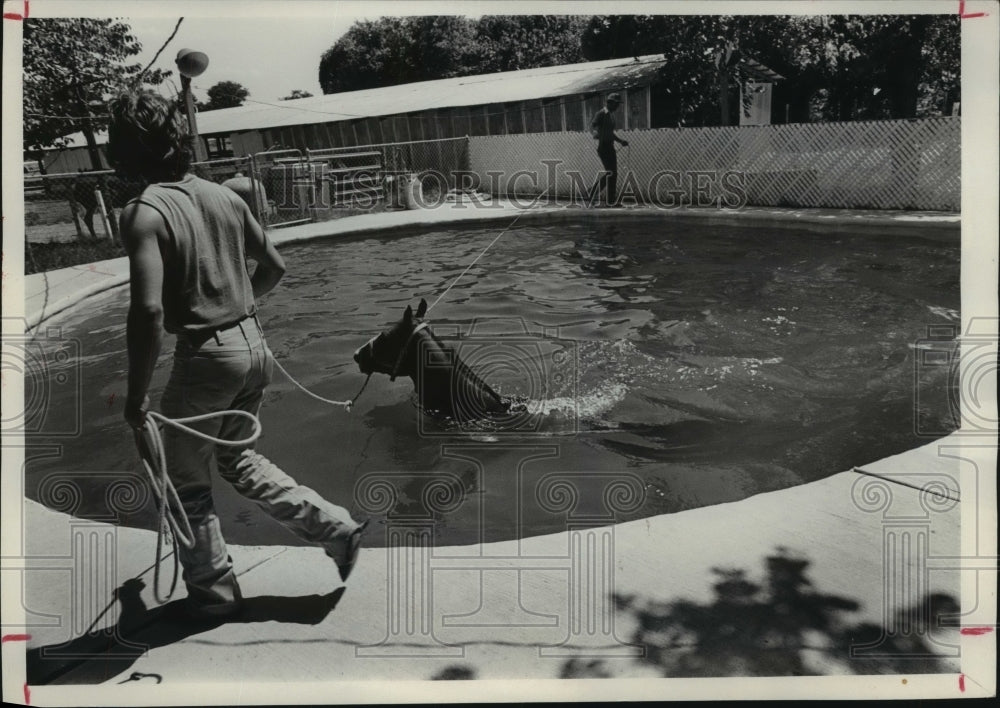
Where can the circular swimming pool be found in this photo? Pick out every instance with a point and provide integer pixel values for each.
(697, 364)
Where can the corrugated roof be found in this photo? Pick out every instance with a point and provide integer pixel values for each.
(477, 90)
(755, 70)
(502, 87)
(481, 89)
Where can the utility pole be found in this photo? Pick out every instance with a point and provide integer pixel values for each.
(199, 148)
(191, 63)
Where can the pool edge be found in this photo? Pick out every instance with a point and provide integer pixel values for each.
(54, 292)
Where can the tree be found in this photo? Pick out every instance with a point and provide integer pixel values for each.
(397, 50)
(72, 66)
(225, 94)
(296, 93)
(836, 68)
(513, 42)
(688, 88)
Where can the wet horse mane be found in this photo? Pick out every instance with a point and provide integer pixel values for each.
(444, 384)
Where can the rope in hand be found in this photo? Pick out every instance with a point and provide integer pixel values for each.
(171, 516)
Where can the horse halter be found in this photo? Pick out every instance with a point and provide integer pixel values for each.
(406, 347)
(370, 344)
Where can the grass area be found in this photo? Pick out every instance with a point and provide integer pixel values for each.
(41, 257)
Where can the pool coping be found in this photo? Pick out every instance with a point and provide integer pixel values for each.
(53, 292)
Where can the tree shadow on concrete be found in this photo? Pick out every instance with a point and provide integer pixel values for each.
(784, 627)
(455, 672)
(101, 654)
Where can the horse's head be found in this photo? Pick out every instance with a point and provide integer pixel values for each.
(443, 382)
(392, 351)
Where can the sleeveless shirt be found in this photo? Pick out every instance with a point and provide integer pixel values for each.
(603, 127)
(206, 284)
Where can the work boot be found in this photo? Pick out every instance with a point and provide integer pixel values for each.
(349, 552)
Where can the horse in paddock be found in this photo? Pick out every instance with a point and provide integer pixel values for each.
(116, 193)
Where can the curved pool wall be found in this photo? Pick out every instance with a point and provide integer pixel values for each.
(939, 229)
(51, 293)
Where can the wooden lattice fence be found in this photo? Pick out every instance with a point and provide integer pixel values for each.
(904, 164)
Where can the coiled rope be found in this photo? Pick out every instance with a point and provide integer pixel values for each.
(171, 517)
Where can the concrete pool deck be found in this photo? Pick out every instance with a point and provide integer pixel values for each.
(485, 611)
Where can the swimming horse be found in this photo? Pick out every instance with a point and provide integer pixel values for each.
(444, 384)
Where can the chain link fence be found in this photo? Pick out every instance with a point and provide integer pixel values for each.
(393, 176)
(294, 186)
(283, 187)
(68, 207)
(61, 208)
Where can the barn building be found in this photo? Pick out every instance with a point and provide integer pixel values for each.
(547, 99)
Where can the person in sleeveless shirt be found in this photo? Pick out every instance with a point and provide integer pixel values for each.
(188, 241)
(602, 127)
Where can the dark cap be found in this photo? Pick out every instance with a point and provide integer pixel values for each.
(616, 97)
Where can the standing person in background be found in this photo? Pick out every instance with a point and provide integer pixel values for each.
(187, 241)
(245, 187)
(602, 127)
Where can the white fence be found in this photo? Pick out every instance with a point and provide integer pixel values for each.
(905, 164)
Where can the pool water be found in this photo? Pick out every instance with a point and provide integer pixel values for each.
(678, 366)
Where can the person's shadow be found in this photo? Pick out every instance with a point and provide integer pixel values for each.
(100, 655)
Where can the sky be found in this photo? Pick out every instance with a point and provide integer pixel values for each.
(269, 56)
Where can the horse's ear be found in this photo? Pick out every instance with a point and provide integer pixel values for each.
(407, 314)
(421, 308)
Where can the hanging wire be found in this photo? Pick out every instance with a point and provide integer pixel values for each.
(177, 91)
(173, 34)
(61, 116)
(135, 81)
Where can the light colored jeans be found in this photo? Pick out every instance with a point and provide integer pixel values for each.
(224, 371)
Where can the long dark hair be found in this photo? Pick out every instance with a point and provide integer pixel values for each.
(148, 137)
